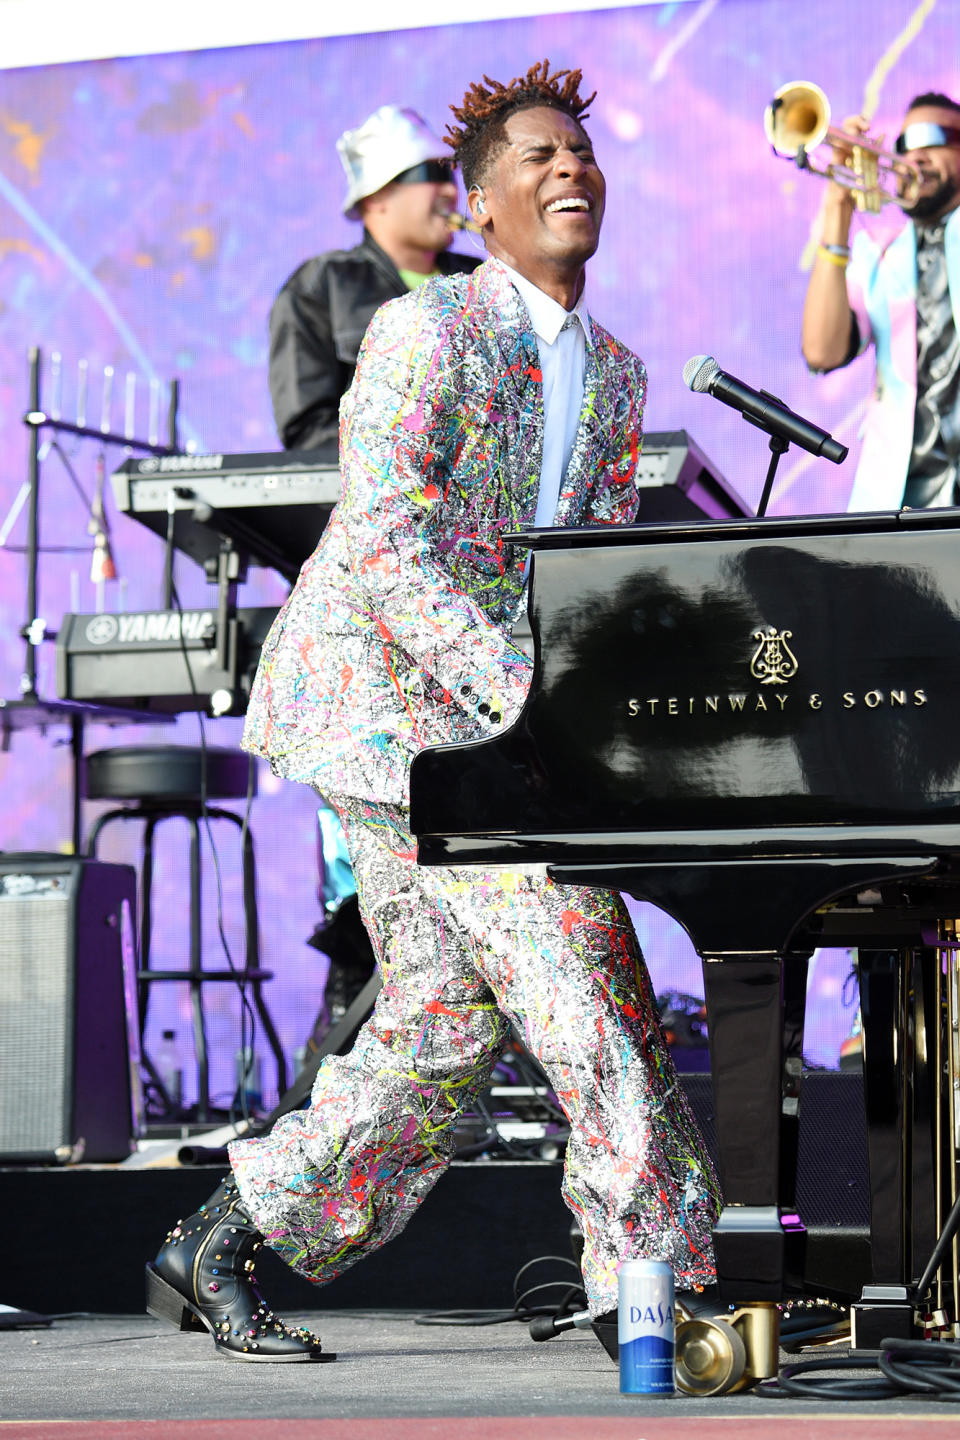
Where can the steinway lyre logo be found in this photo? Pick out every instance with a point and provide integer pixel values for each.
(773, 663)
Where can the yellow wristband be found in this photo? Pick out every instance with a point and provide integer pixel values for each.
(842, 260)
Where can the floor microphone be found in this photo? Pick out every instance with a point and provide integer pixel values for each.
(544, 1327)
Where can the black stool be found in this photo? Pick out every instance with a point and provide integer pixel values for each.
(162, 782)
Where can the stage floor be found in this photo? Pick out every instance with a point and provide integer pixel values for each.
(134, 1378)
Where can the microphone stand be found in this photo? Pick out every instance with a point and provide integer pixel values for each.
(779, 446)
(36, 420)
(33, 711)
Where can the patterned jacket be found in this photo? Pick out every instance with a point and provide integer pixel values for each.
(882, 285)
(397, 633)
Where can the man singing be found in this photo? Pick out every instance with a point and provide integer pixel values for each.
(481, 403)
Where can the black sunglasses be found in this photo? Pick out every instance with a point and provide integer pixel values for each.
(922, 136)
(439, 172)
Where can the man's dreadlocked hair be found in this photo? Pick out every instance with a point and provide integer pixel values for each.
(484, 113)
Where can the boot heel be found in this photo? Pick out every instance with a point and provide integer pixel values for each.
(168, 1304)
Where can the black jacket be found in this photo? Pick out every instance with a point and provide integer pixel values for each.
(316, 325)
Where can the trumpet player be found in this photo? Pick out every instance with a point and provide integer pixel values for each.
(902, 295)
(401, 187)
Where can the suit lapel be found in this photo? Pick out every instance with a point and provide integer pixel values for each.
(517, 394)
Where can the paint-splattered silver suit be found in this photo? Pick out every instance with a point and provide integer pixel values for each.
(396, 637)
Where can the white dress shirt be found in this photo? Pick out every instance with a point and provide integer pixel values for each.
(562, 340)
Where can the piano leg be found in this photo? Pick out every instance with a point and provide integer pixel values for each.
(901, 1003)
(925, 1182)
(745, 1008)
(794, 1014)
(757, 1158)
(883, 987)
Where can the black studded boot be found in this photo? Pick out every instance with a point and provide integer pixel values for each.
(203, 1279)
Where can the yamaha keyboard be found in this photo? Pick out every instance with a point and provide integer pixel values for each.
(165, 661)
(754, 726)
(272, 507)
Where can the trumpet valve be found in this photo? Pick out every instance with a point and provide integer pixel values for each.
(865, 166)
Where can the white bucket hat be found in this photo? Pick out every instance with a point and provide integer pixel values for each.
(390, 141)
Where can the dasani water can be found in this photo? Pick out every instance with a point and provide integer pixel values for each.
(646, 1328)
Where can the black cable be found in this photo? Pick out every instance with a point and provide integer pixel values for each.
(537, 1079)
(543, 1260)
(794, 1334)
(522, 1068)
(467, 1317)
(940, 1249)
(507, 1142)
(562, 1307)
(246, 1011)
(923, 1366)
(906, 1367)
(478, 1147)
(573, 1299)
(565, 1306)
(792, 1382)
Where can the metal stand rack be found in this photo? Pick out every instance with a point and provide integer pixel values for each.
(30, 711)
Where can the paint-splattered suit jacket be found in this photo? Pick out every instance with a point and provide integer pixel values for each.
(397, 633)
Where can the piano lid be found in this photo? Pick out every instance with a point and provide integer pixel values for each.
(764, 683)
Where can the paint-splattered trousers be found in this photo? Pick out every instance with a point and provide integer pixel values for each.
(463, 952)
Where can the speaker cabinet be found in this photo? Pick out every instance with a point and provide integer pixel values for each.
(69, 1060)
(832, 1177)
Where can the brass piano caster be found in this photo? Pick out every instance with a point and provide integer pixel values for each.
(711, 1358)
(721, 1354)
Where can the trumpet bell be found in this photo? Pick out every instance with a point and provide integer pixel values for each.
(798, 117)
(797, 120)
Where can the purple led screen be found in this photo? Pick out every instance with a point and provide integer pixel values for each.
(149, 210)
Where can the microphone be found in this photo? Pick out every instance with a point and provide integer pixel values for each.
(544, 1327)
(702, 373)
(102, 564)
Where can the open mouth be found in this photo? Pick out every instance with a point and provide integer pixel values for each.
(570, 205)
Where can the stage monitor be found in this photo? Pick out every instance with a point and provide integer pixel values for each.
(69, 1041)
(677, 482)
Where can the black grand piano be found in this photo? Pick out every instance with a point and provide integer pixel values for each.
(755, 724)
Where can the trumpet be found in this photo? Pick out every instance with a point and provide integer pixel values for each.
(797, 120)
